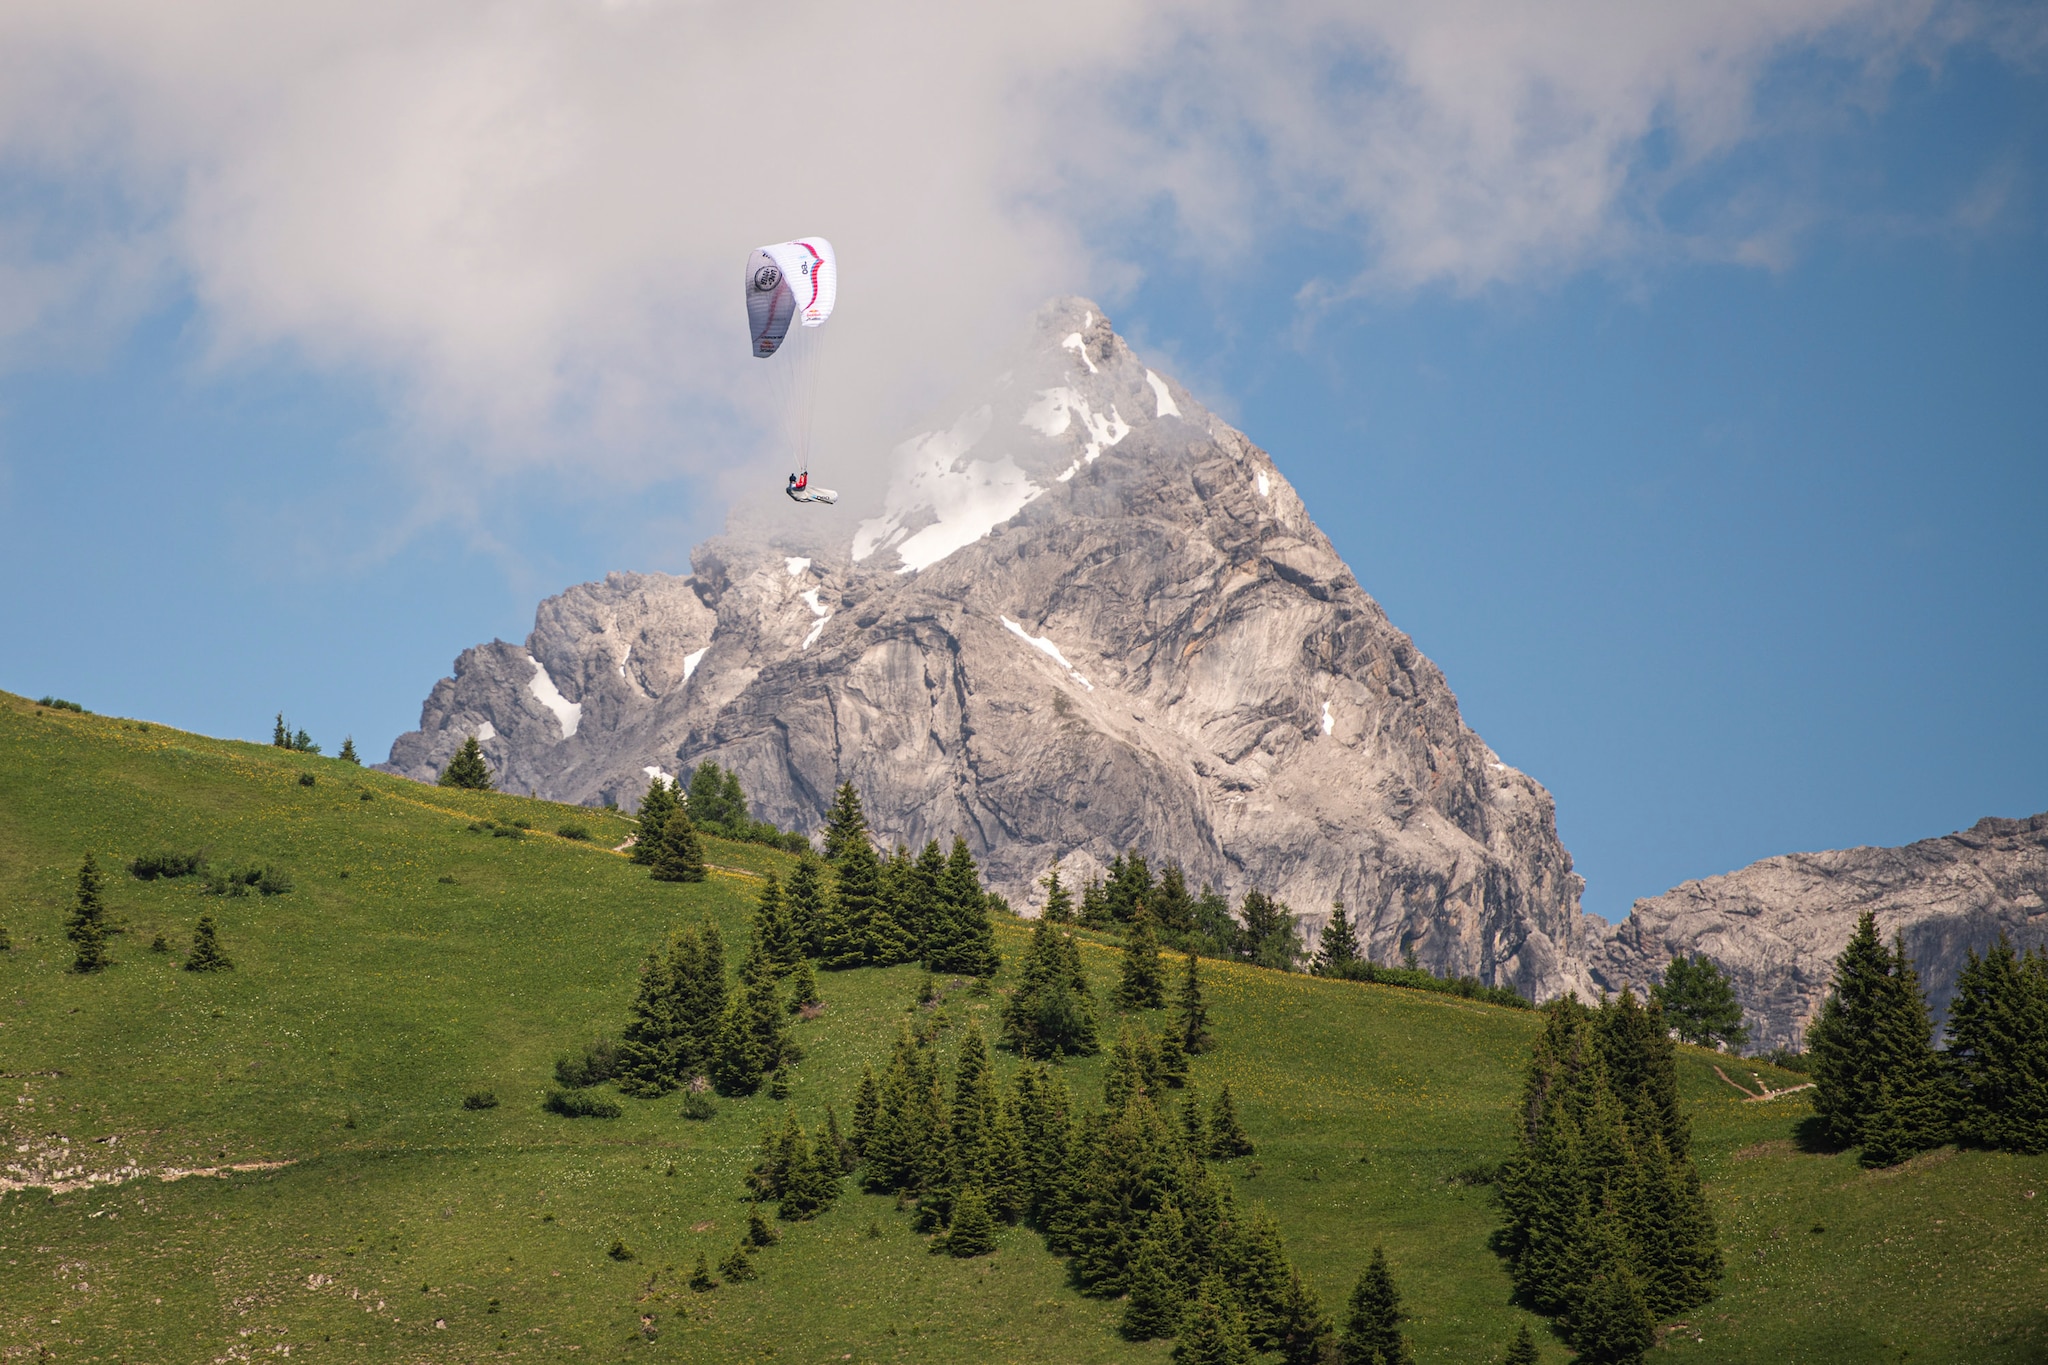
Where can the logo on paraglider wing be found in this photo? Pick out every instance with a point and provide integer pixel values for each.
(766, 278)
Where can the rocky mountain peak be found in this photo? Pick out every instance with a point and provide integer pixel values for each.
(1088, 616)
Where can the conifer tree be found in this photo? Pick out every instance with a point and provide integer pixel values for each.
(281, 738)
(1172, 1060)
(1006, 1171)
(1610, 1321)
(1141, 984)
(1877, 1082)
(206, 954)
(803, 987)
(705, 799)
(1338, 947)
(774, 936)
(804, 900)
(681, 855)
(467, 769)
(1699, 1001)
(1227, 1137)
(1050, 1014)
(738, 1266)
(1173, 909)
(1642, 1067)
(1059, 905)
(700, 1277)
(759, 1233)
(1998, 1048)
(734, 800)
(1212, 1330)
(1153, 1306)
(867, 1099)
(1259, 1277)
(1095, 905)
(348, 751)
(846, 825)
(1269, 936)
(1372, 1330)
(655, 807)
(1129, 887)
(1190, 1011)
(973, 1229)
(1521, 1351)
(1304, 1336)
(967, 941)
(87, 927)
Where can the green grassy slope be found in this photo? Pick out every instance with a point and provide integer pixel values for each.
(365, 1005)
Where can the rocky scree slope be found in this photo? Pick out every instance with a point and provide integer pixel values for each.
(1087, 616)
(1777, 926)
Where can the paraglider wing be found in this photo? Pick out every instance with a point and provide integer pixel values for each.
(771, 301)
(812, 273)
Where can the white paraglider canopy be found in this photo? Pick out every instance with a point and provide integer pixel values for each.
(793, 282)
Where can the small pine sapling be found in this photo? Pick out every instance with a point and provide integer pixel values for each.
(738, 1267)
(1227, 1137)
(206, 955)
(700, 1278)
(467, 770)
(759, 1231)
(87, 927)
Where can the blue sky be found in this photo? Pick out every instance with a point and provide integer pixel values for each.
(1723, 505)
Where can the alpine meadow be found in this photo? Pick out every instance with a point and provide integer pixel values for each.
(363, 1069)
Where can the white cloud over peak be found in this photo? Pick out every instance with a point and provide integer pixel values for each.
(525, 219)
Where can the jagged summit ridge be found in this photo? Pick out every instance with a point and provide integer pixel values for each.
(1088, 616)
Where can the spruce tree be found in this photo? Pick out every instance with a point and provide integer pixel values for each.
(206, 954)
(467, 769)
(348, 751)
(804, 900)
(1269, 937)
(1372, 1328)
(1337, 949)
(733, 798)
(1059, 905)
(759, 1233)
(846, 825)
(1191, 1013)
(1141, 985)
(655, 807)
(1153, 1306)
(1095, 905)
(700, 1277)
(651, 1053)
(1699, 1002)
(967, 939)
(1129, 887)
(1050, 1013)
(1173, 909)
(1877, 1081)
(1304, 1336)
(867, 1098)
(1007, 1169)
(857, 929)
(1227, 1137)
(803, 987)
(1521, 1351)
(1259, 1277)
(87, 927)
(738, 1266)
(1610, 1321)
(973, 1229)
(281, 738)
(1998, 1048)
(774, 936)
(680, 858)
(705, 799)
(1212, 1330)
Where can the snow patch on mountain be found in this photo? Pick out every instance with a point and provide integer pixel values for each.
(1047, 648)
(1166, 406)
(964, 499)
(796, 564)
(568, 714)
(692, 659)
(1080, 348)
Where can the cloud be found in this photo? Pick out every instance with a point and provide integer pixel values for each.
(525, 220)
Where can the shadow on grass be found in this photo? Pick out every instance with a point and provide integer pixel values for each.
(1810, 1135)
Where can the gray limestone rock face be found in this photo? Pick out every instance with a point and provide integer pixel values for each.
(1085, 616)
(1777, 926)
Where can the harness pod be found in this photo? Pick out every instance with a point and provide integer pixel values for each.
(790, 283)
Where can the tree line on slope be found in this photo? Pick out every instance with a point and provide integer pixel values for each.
(1263, 931)
(1881, 1086)
(1607, 1228)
